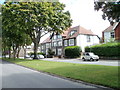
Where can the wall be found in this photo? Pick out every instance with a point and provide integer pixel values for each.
(117, 32)
(82, 41)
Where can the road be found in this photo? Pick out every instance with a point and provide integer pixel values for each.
(80, 61)
(15, 76)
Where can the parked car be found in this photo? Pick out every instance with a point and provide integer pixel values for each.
(27, 56)
(39, 56)
(90, 56)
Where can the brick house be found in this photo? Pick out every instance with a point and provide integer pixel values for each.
(111, 33)
(117, 32)
(74, 36)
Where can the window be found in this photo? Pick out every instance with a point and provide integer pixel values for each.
(54, 44)
(88, 38)
(43, 47)
(71, 42)
(47, 45)
(65, 43)
(112, 35)
(54, 38)
(59, 51)
(59, 43)
(59, 36)
(72, 32)
(54, 50)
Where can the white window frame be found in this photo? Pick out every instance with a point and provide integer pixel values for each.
(54, 44)
(59, 43)
(71, 42)
(65, 43)
(59, 36)
(88, 38)
(59, 51)
(47, 45)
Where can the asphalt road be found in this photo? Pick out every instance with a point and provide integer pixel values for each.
(15, 76)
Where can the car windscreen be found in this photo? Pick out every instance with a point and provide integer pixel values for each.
(91, 54)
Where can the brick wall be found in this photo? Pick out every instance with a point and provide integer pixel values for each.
(117, 32)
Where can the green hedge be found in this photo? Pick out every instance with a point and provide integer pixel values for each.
(72, 51)
(105, 50)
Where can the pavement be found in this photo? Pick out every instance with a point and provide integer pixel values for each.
(80, 61)
(15, 76)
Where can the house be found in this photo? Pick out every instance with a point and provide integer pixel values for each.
(117, 32)
(111, 33)
(73, 36)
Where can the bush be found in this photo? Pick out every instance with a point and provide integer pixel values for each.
(50, 53)
(72, 51)
(105, 50)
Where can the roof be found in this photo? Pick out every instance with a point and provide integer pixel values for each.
(80, 30)
(111, 28)
(65, 34)
(47, 40)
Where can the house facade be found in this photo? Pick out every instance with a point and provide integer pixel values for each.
(75, 36)
(111, 33)
(117, 32)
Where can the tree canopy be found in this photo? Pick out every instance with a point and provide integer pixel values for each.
(35, 19)
(111, 10)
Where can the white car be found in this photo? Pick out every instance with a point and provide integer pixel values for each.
(90, 56)
(39, 56)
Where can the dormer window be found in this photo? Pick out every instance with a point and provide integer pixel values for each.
(72, 32)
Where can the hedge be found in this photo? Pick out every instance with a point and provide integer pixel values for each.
(72, 51)
(105, 50)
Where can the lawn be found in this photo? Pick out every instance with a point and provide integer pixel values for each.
(96, 74)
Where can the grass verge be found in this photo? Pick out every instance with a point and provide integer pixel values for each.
(96, 74)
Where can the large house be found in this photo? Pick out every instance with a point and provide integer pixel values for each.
(111, 33)
(75, 36)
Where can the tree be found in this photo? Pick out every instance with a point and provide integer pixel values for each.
(40, 18)
(111, 10)
(13, 35)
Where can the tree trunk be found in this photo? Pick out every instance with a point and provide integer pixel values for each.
(14, 52)
(18, 51)
(24, 48)
(9, 53)
(35, 50)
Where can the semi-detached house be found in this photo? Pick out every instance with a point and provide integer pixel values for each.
(74, 36)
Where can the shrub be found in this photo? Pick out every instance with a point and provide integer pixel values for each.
(50, 53)
(106, 50)
(72, 51)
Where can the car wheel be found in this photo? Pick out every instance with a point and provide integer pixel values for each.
(83, 59)
(91, 59)
(96, 59)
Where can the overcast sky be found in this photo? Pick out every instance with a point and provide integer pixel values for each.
(83, 13)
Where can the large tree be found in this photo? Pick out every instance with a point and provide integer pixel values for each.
(40, 18)
(13, 35)
(111, 10)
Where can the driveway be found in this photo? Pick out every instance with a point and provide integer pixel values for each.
(15, 76)
(80, 61)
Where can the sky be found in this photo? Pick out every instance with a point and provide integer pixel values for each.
(83, 14)
(2, 1)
